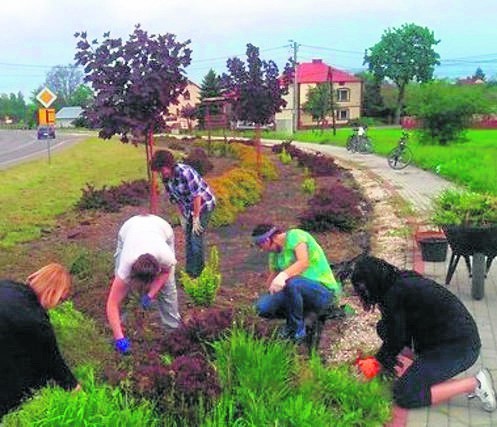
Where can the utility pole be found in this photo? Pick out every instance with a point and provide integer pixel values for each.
(295, 111)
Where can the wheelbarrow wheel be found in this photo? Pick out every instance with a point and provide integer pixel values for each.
(478, 270)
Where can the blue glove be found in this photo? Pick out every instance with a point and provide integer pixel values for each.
(123, 346)
(146, 302)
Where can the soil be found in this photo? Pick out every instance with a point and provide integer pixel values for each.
(243, 267)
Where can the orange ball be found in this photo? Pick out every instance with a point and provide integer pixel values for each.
(369, 367)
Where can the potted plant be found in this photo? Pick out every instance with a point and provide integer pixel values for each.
(469, 220)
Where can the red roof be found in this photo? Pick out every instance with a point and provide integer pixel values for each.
(318, 72)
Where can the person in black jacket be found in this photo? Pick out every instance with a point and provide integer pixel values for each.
(428, 336)
(29, 355)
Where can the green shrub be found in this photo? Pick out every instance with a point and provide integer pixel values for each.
(284, 157)
(309, 185)
(96, 405)
(203, 289)
(78, 337)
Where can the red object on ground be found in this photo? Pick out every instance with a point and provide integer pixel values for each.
(369, 366)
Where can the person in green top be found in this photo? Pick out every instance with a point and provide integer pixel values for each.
(300, 278)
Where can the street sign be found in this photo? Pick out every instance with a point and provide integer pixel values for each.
(46, 116)
(46, 97)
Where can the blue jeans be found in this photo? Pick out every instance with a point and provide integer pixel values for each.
(299, 296)
(194, 245)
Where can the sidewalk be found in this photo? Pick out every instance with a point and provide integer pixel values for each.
(418, 187)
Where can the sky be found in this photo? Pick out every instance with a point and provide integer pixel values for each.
(38, 35)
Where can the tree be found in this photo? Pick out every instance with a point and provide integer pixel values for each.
(403, 55)
(209, 88)
(13, 106)
(319, 103)
(479, 74)
(255, 90)
(134, 83)
(372, 102)
(446, 110)
(190, 113)
(63, 81)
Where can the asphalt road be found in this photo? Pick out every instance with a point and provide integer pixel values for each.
(17, 146)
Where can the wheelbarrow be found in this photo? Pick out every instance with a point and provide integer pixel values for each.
(478, 247)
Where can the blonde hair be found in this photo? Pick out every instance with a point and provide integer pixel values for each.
(51, 284)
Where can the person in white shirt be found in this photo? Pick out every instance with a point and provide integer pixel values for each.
(144, 262)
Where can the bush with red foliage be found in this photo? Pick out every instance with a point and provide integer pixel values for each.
(198, 160)
(112, 199)
(202, 327)
(338, 207)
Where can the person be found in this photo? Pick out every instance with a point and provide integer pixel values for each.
(361, 131)
(144, 263)
(428, 336)
(195, 201)
(29, 354)
(300, 278)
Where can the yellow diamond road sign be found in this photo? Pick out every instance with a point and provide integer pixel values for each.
(46, 97)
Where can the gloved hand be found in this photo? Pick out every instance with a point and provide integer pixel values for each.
(146, 302)
(369, 366)
(123, 345)
(196, 226)
(183, 221)
(278, 282)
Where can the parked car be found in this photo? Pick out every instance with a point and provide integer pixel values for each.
(241, 125)
(46, 132)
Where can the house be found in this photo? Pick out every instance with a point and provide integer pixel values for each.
(347, 90)
(189, 97)
(64, 118)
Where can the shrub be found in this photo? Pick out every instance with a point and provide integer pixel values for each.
(309, 185)
(203, 289)
(338, 207)
(112, 199)
(285, 158)
(198, 159)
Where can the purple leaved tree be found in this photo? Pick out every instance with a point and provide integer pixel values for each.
(256, 90)
(134, 83)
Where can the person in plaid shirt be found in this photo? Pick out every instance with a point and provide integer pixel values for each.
(195, 201)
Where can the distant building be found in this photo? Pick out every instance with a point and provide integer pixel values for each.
(65, 117)
(347, 91)
(189, 97)
(470, 81)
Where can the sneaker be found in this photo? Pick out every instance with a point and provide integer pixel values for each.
(485, 390)
(285, 333)
(299, 336)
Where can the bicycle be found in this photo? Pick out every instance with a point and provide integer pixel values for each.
(359, 143)
(400, 156)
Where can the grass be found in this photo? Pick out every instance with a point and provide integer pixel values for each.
(35, 193)
(472, 163)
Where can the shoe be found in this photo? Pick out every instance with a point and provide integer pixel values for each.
(485, 390)
(285, 333)
(299, 336)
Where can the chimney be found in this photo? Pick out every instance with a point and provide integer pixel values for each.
(317, 61)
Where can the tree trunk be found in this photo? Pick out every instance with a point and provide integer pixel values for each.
(258, 149)
(400, 103)
(152, 178)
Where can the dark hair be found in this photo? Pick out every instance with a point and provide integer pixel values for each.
(264, 228)
(145, 269)
(162, 158)
(371, 278)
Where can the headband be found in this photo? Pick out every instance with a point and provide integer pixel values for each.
(262, 238)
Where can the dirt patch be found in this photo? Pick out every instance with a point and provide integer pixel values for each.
(243, 267)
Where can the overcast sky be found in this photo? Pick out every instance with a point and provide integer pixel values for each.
(37, 35)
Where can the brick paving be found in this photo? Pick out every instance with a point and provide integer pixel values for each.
(418, 187)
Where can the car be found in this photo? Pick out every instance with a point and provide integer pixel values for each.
(241, 125)
(46, 132)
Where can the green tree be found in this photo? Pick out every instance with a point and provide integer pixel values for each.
(446, 110)
(319, 103)
(13, 106)
(209, 88)
(64, 81)
(479, 74)
(403, 55)
(372, 102)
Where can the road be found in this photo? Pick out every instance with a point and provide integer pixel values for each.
(17, 146)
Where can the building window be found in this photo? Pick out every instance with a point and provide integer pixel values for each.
(186, 96)
(342, 114)
(343, 95)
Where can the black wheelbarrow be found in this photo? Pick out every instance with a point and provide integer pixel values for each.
(478, 247)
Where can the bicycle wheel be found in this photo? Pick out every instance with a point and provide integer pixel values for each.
(367, 145)
(399, 158)
(350, 141)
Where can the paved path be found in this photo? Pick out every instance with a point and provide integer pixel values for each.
(418, 187)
